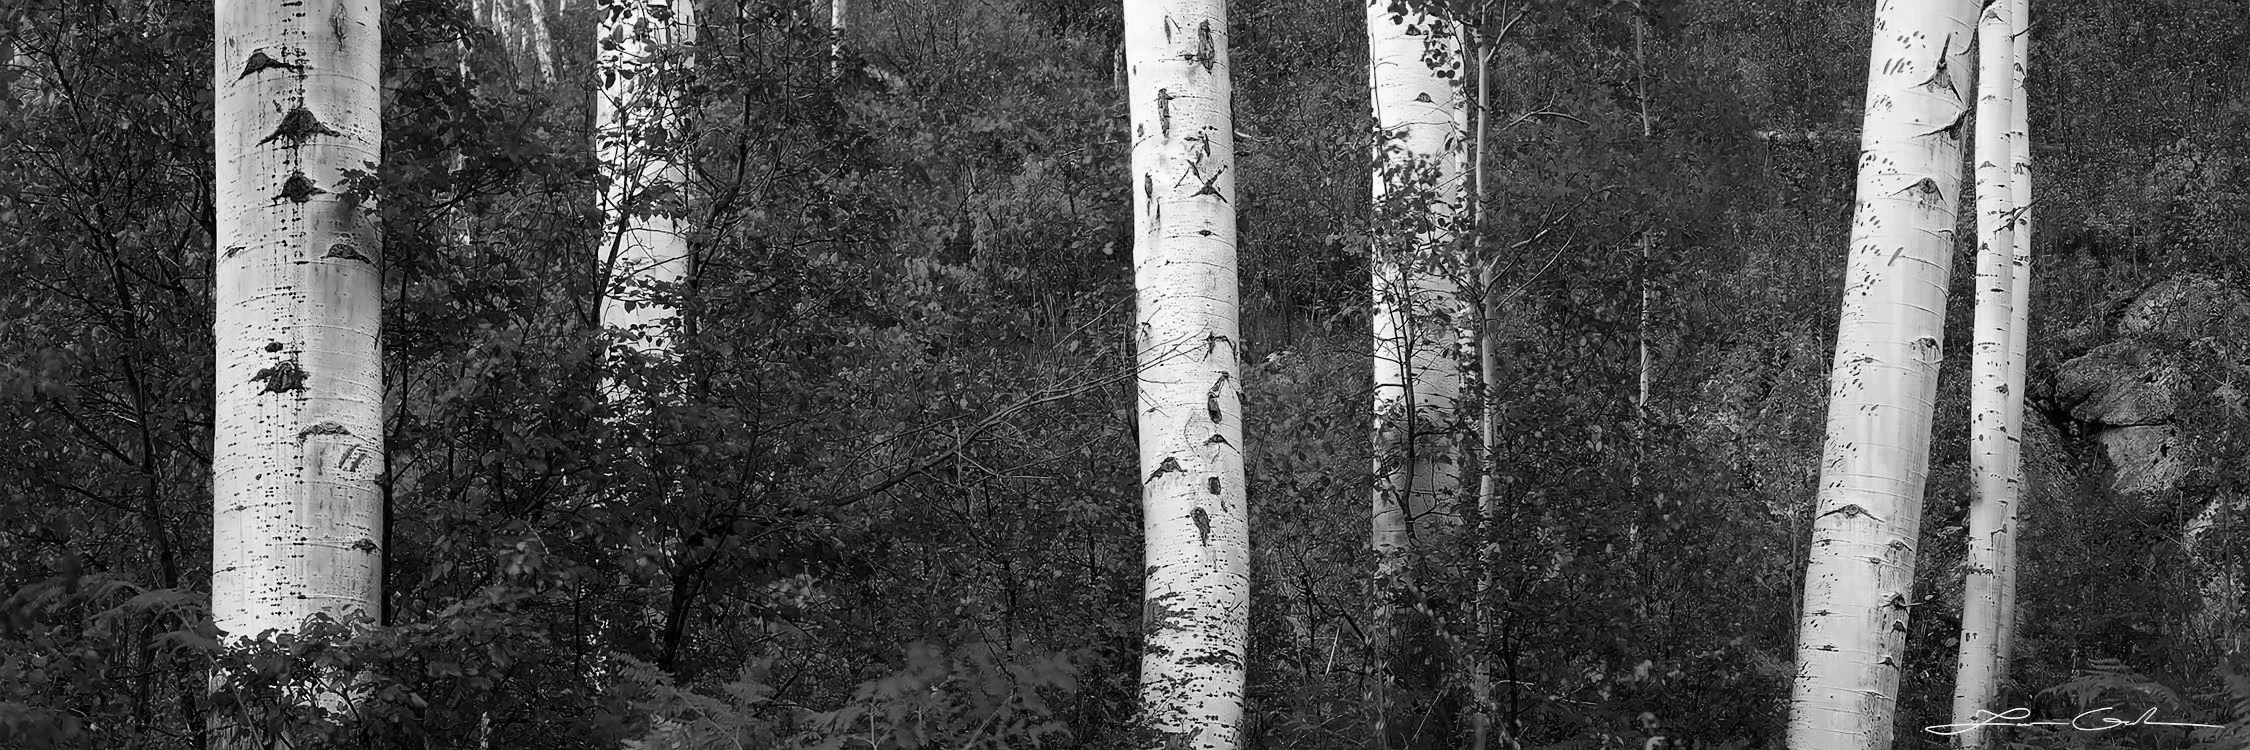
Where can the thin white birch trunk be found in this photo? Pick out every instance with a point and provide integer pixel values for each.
(2019, 325)
(297, 515)
(1648, 248)
(839, 24)
(1993, 443)
(1196, 595)
(1859, 574)
(1488, 375)
(643, 45)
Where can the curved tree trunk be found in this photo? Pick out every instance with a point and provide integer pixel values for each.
(1415, 79)
(298, 436)
(1197, 591)
(1859, 575)
(1994, 446)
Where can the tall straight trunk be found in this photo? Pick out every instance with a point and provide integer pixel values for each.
(1488, 375)
(643, 46)
(2019, 325)
(1994, 445)
(1421, 119)
(839, 24)
(1418, 317)
(297, 516)
(1195, 522)
(1647, 370)
(521, 29)
(1859, 573)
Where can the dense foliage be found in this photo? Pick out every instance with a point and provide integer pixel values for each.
(897, 504)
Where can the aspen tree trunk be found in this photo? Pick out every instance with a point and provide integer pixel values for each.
(1636, 552)
(521, 26)
(1859, 575)
(839, 23)
(1417, 314)
(2019, 325)
(1488, 375)
(297, 516)
(1647, 374)
(1993, 442)
(1196, 596)
(1421, 119)
(643, 45)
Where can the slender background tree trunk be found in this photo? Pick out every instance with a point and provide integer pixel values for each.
(2019, 322)
(1993, 444)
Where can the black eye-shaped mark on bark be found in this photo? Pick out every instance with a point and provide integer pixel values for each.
(1849, 511)
(1164, 112)
(1954, 130)
(1169, 465)
(1211, 400)
(1943, 76)
(1925, 190)
(259, 60)
(1211, 186)
(298, 188)
(1206, 50)
(298, 126)
(324, 428)
(1211, 346)
(346, 251)
(282, 377)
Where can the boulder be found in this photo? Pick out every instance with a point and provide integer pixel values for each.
(2130, 390)
(2147, 459)
(2188, 306)
(2121, 384)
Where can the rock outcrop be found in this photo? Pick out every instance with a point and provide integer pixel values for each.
(2130, 392)
(2159, 398)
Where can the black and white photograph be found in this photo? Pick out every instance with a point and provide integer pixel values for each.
(1124, 374)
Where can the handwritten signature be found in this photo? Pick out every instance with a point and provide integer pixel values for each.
(2014, 717)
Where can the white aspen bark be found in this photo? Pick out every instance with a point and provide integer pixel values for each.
(1488, 374)
(839, 24)
(1648, 247)
(1421, 118)
(1993, 443)
(2019, 325)
(1416, 312)
(25, 88)
(521, 26)
(1859, 573)
(642, 45)
(297, 516)
(1196, 595)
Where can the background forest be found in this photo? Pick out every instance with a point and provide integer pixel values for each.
(899, 507)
